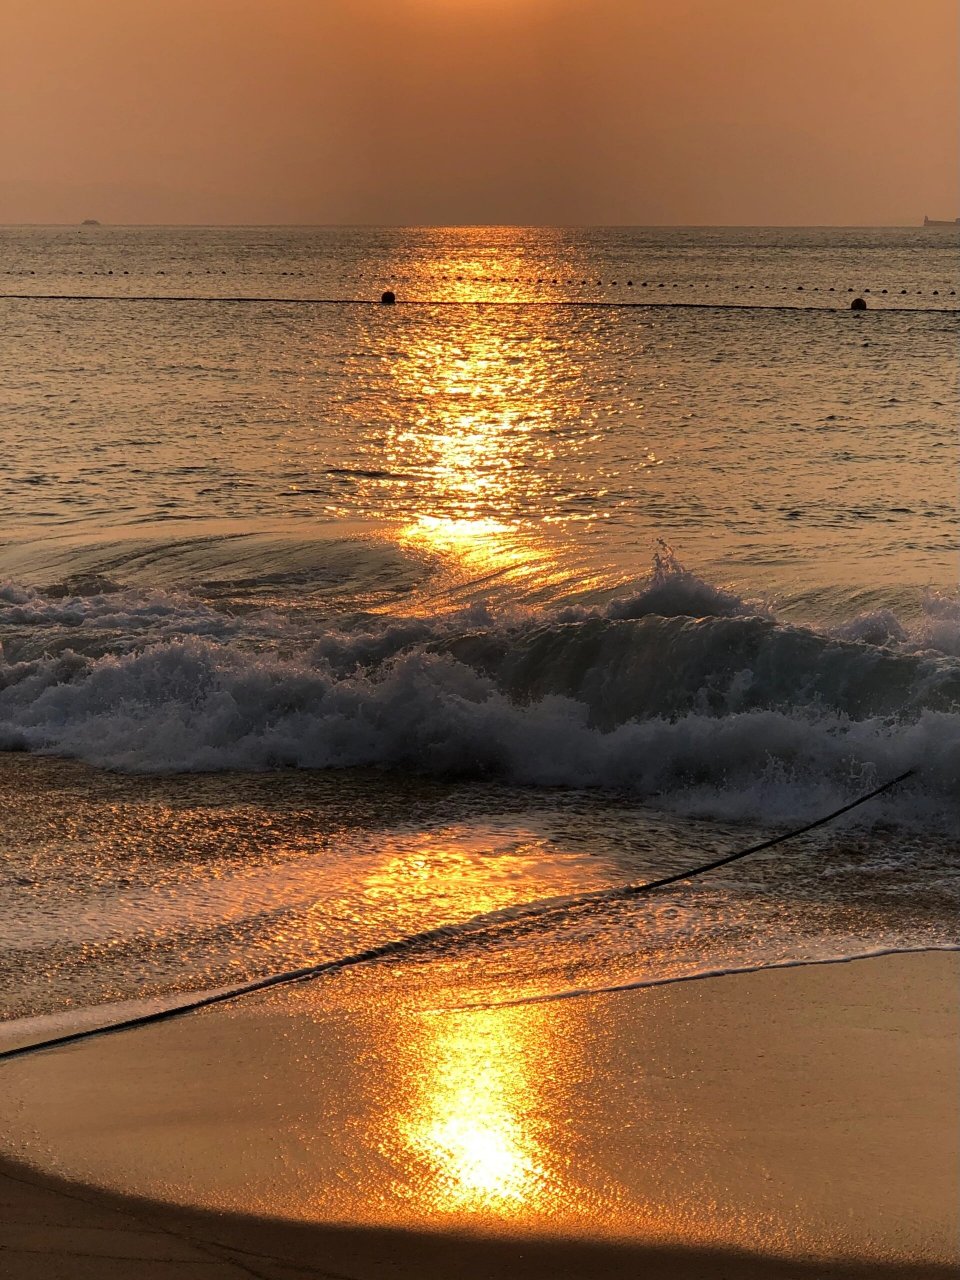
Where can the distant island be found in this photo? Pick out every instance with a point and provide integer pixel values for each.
(940, 222)
(90, 222)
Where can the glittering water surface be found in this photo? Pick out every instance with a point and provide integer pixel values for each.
(387, 617)
(778, 447)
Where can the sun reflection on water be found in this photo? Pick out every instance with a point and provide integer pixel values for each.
(481, 549)
(480, 427)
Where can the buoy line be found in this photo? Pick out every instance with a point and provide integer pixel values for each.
(599, 304)
(444, 933)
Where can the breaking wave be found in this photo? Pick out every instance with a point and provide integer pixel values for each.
(678, 690)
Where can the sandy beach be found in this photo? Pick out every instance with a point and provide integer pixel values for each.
(799, 1122)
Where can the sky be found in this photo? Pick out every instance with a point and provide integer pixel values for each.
(752, 112)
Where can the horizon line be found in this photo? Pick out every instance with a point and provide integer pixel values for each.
(411, 226)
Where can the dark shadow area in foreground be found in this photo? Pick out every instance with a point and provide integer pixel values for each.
(279, 1250)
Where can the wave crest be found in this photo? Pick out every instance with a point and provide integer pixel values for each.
(725, 711)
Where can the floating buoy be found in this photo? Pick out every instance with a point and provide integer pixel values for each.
(388, 297)
(858, 304)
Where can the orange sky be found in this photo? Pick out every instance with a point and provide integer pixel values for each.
(539, 111)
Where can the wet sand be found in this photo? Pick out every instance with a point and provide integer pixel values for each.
(790, 1123)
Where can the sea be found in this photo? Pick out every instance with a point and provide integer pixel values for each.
(600, 555)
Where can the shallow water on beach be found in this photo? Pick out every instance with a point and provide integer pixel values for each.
(121, 889)
(327, 624)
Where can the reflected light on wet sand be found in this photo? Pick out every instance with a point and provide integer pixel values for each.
(472, 1115)
(463, 1116)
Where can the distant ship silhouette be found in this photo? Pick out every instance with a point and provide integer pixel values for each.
(940, 222)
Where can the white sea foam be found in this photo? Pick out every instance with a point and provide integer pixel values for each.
(673, 590)
(122, 612)
(678, 690)
(936, 631)
(197, 705)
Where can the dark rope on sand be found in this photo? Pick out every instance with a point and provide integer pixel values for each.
(445, 933)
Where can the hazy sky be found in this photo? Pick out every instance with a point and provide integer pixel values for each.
(585, 111)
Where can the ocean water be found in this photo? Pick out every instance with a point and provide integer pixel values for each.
(602, 554)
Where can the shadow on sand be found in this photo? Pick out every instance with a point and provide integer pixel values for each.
(280, 1250)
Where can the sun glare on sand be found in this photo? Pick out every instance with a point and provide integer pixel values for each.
(470, 1129)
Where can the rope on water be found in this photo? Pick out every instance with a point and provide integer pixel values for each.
(445, 933)
(570, 304)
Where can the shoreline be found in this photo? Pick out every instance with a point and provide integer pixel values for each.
(841, 1071)
(79, 1026)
